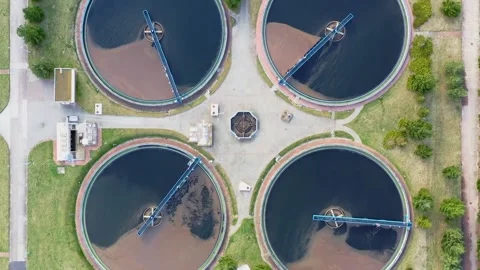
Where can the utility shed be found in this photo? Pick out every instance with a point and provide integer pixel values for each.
(201, 134)
(64, 85)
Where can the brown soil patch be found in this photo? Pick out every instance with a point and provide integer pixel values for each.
(134, 69)
(170, 245)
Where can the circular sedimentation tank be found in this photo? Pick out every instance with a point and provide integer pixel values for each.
(356, 68)
(127, 183)
(121, 60)
(347, 178)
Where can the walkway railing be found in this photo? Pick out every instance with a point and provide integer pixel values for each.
(315, 49)
(161, 54)
(192, 164)
(364, 221)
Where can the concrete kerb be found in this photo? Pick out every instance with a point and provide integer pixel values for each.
(265, 246)
(311, 102)
(123, 99)
(179, 147)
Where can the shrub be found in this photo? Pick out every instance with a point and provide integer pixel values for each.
(451, 8)
(422, 47)
(452, 172)
(416, 129)
(421, 83)
(421, 66)
(227, 262)
(478, 186)
(452, 208)
(423, 151)
(455, 81)
(34, 14)
(31, 34)
(43, 70)
(423, 112)
(424, 223)
(261, 267)
(423, 201)
(232, 4)
(452, 242)
(420, 98)
(422, 10)
(394, 138)
(457, 93)
(453, 68)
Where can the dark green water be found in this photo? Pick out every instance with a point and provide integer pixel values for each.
(141, 179)
(358, 63)
(322, 179)
(192, 40)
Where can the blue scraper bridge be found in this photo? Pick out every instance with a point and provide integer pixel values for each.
(192, 164)
(161, 54)
(337, 221)
(337, 30)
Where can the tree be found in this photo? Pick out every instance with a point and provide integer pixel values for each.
(31, 34)
(394, 138)
(451, 262)
(421, 83)
(422, 46)
(423, 112)
(416, 129)
(452, 242)
(227, 262)
(451, 8)
(452, 172)
(457, 92)
(43, 70)
(423, 201)
(452, 208)
(454, 68)
(421, 65)
(424, 223)
(34, 14)
(423, 151)
(233, 4)
(455, 81)
(422, 10)
(261, 267)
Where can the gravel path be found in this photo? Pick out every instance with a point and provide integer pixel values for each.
(470, 47)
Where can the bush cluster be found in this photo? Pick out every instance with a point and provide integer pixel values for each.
(453, 247)
(394, 138)
(452, 208)
(451, 8)
(232, 4)
(423, 201)
(421, 80)
(422, 10)
(452, 172)
(455, 74)
(424, 151)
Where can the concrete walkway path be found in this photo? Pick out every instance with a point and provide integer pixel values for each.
(470, 49)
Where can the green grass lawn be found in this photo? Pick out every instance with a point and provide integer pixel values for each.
(382, 115)
(59, 47)
(4, 33)
(4, 195)
(4, 91)
(4, 263)
(243, 245)
(52, 240)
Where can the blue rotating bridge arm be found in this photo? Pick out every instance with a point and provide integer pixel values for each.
(162, 56)
(365, 221)
(315, 49)
(149, 222)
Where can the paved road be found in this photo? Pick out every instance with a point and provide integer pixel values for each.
(470, 47)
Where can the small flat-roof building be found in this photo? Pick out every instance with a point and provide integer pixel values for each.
(73, 137)
(64, 85)
(201, 134)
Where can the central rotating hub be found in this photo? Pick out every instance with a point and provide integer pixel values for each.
(158, 30)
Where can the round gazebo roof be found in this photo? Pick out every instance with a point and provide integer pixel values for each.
(244, 125)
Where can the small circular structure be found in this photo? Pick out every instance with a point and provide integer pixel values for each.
(158, 30)
(334, 212)
(244, 125)
(340, 33)
(325, 176)
(122, 189)
(148, 212)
